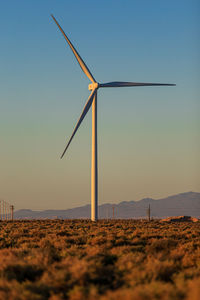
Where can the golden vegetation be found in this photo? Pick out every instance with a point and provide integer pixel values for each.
(118, 259)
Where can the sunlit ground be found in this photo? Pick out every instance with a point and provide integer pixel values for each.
(116, 259)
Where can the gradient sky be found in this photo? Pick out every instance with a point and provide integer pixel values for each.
(148, 137)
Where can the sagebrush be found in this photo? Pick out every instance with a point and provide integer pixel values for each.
(110, 259)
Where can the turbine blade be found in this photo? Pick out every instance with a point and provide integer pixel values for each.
(82, 116)
(125, 84)
(79, 59)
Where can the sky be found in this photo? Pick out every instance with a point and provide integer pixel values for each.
(148, 137)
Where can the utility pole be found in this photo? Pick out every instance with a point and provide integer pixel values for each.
(3, 210)
(5, 205)
(149, 213)
(6, 210)
(113, 211)
(12, 212)
(107, 213)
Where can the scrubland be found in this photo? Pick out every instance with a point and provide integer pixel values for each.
(115, 259)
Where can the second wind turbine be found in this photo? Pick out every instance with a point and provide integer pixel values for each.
(92, 101)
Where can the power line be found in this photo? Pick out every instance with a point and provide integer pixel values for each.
(6, 211)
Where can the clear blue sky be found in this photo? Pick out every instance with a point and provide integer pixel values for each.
(148, 137)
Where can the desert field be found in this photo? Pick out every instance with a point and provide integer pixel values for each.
(110, 259)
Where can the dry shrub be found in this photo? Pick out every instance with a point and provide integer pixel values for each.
(160, 270)
(158, 245)
(49, 251)
(152, 291)
(21, 272)
(194, 290)
(110, 259)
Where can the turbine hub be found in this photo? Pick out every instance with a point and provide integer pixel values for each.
(93, 86)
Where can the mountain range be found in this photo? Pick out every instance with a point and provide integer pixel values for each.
(184, 204)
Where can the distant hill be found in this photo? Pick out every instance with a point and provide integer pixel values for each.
(185, 204)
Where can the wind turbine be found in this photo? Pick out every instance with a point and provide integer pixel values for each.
(92, 101)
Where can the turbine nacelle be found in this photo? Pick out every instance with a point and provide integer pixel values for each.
(92, 86)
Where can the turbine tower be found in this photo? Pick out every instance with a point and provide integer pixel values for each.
(92, 101)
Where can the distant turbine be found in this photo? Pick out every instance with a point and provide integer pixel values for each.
(92, 101)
